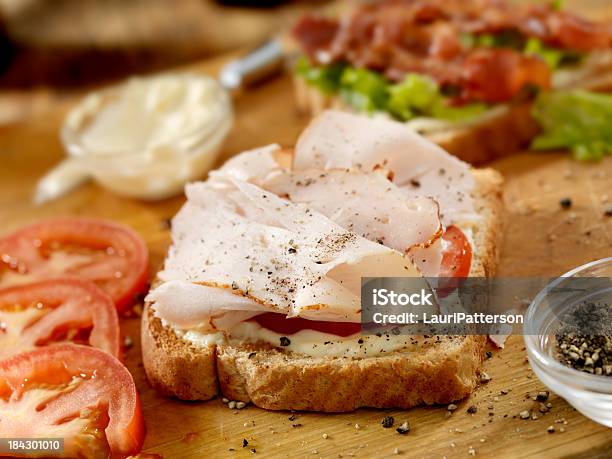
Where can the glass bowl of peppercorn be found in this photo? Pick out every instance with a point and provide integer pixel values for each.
(568, 336)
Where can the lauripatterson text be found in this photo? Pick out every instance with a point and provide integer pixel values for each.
(460, 318)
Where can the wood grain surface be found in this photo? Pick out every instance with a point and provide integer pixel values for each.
(540, 239)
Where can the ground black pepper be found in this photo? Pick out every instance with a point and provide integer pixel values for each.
(584, 342)
(565, 203)
(387, 422)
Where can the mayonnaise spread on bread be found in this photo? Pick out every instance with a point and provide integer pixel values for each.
(308, 342)
(364, 198)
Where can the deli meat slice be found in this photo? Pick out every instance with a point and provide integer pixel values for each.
(339, 140)
(253, 165)
(188, 305)
(279, 256)
(366, 203)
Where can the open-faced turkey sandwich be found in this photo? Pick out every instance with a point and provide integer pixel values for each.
(463, 73)
(260, 292)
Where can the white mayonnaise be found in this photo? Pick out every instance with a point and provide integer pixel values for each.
(145, 138)
(147, 114)
(307, 342)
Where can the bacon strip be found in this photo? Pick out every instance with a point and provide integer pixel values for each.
(395, 37)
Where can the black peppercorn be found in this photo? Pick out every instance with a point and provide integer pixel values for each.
(565, 203)
(387, 422)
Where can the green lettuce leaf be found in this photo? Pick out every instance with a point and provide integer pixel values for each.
(462, 113)
(557, 4)
(326, 78)
(363, 89)
(578, 120)
(368, 91)
(555, 58)
(551, 56)
(417, 94)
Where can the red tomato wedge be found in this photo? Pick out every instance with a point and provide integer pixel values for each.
(52, 311)
(279, 323)
(112, 256)
(78, 393)
(457, 253)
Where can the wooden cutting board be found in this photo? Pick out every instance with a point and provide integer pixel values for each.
(540, 239)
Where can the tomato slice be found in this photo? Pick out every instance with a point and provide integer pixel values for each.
(497, 75)
(42, 313)
(78, 393)
(112, 256)
(456, 253)
(279, 323)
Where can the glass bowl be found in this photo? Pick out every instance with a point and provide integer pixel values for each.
(174, 124)
(589, 393)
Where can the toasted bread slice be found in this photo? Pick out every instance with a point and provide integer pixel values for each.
(503, 132)
(441, 372)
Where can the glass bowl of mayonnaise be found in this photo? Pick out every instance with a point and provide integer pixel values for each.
(144, 138)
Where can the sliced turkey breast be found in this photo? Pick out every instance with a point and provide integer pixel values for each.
(339, 140)
(366, 203)
(280, 256)
(252, 165)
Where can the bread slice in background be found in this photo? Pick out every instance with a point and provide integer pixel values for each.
(440, 372)
(484, 141)
(504, 131)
